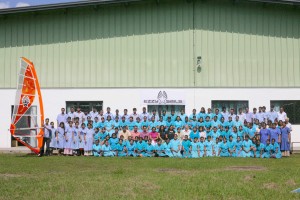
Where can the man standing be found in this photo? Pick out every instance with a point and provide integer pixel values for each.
(248, 116)
(72, 113)
(144, 113)
(46, 139)
(62, 117)
(281, 115)
(225, 114)
(272, 115)
(242, 116)
(108, 113)
(134, 115)
(80, 115)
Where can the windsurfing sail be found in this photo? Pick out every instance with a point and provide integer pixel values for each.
(28, 112)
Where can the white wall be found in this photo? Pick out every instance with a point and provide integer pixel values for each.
(54, 99)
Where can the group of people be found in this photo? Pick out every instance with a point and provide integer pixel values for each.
(204, 134)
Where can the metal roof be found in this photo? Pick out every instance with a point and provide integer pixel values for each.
(106, 2)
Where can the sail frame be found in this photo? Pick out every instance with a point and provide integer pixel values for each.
(28, 91)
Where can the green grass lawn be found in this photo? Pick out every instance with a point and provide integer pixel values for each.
(30, 177)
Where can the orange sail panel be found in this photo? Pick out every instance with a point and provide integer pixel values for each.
(28, 114)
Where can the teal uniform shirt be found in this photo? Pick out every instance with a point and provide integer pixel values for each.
(186, 144)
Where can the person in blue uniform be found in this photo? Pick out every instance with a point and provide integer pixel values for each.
(264, 134)
(168, 148)
(275, 133)
(239, 147)
(247, 147)
(241, 133)
(215, 122)
(268, 149)
(195, 152)
(96, 149)
(178, 123)
(209, 146)
(234, 133)
(176, 147)
(113, 141)
(217, 147)
(275, 152)
(186, 147)
(232, 147)
(207, 122)
(202, 148)
(224, 148)
(131, 123)
(285, 140)
(160, 149)
(106, 149)
(149, 149)
(120, 149)
(131, 148)
(194, 134)
(260, 147)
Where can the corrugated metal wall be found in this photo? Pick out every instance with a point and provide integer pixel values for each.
(155, 45)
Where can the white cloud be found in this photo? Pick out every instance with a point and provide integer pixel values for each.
(22, 4)
(4, 5)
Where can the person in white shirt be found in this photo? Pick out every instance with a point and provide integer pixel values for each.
(156, 118)
(144, 113)
(248, 116)
(225, 114)
(288, 124)
(272, 115)
(62, 117)
(242, 116)
(100, 115)
(231, 114)
(281, 115)
(80, 115)
(126, 115)
(185, 131)
(134, 115)
(93, 113)
(71, 113)
(108, 113)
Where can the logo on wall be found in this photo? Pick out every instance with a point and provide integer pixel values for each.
(25, 101)
(162, 97)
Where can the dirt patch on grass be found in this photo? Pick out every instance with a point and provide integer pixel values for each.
(291, 182)
(249, 177)
(172, 171)
(6, 176)
(150, 186)
(271, 186)
(246, 168)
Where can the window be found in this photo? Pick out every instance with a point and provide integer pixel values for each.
(292, 109)
(86, 106)
(229, 104)
(168, 108)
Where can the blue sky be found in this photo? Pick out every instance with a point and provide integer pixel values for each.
(18, 3)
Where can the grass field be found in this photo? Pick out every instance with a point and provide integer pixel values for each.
(30, 177)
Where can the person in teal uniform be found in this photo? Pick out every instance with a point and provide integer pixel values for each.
(152, 123)
(149, 149)
(214, 134)
(239, 147)
(160, 149)
(96, 123)
(216, 147)
(164, 115)
(140, 147)
(229, 123)
(201, 114)
(247, 143)
(116, 123)
(227, 133)
(232, 147)
(185, 121)
(131, 123)
(113, 141)
(200, 122)
(202, 148)
(120, 149)
(176, 147)
(96, 148)
(169, 123)
(193, 115)
(209, 146)
(234, 133)
(251, 131)
(109, 125)
(160, 123)
(97, 134)
(101, 124)
(224, 148)
(260, 147)
(275, 152)
(131, 148)
(123, 122)
(182, 115)
(186, 147)
(168, 148)
(194, 134)
(207, 122)
(195, 153)
(178, 123)
(103, 134)
(215, 122)
(268, 149)
(173, 115)
(241, 133)
(106, 149)
(193, 123)
(253, 148)
(237, 122)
